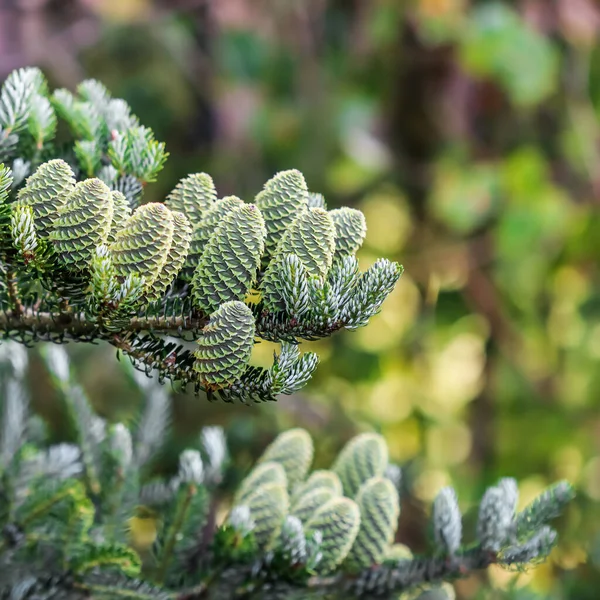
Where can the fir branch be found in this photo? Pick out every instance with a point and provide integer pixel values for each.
(90, 429)
(183, 506)
(78, 326)
(389, 580)
(153, 422)
(13, 293)
(102, 586)
(15, 409)
(93, 271)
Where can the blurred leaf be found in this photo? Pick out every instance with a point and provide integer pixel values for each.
(464, 197)
(498, 44)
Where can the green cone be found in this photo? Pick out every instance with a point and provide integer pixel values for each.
(268, 509)
(203, 230)
(363, 457)
(294, 450)
(83, 223)
(338, 520)
(193, 196)
(182, 232)
(230, 262)
(321, 478)
(262, 474)
(225, 345)
(379, 507)
(283, 197)
(308, 503)
(121, 212)
(142, 246)
(311, 237)
(350, 230)
(46, 192)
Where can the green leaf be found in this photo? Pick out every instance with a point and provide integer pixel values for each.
(464, 197)
(89, 156)
(548, 505)
(83, 118)
(91, 90)
(94, 556)
(499, 43)
(42, 120)
(136, 152)
(369, 293)
(22, 230)
(15, 98)
(6, 180)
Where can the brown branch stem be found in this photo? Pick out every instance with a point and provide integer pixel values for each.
(13, 292)
(383, 581)
(78, 325)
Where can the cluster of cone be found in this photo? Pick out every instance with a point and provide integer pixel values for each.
(353, 507)
(219, 246)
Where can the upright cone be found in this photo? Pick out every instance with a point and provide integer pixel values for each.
(83, 223)
(225, 345)
(46, 192)
(142, 246)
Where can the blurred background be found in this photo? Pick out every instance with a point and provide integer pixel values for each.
(469, 134)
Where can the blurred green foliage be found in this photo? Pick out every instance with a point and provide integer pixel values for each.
(468, 132)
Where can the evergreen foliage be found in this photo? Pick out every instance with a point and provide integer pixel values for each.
(88, 518)
(447, 523)
(86, 260)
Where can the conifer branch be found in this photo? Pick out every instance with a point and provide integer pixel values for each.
(175, 529)
(13, 293)
(269, 546)
(86, 260)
